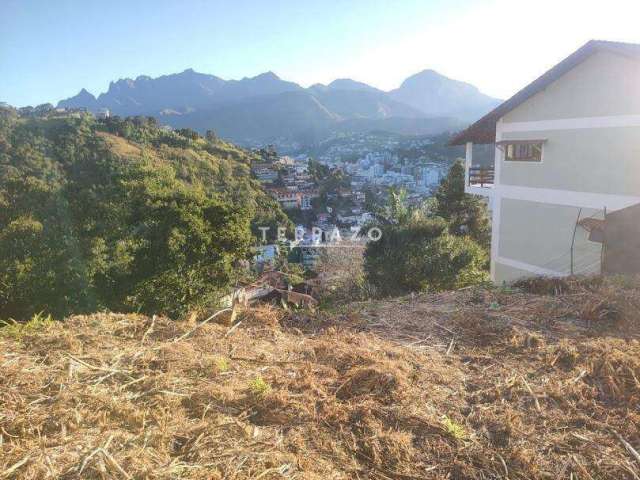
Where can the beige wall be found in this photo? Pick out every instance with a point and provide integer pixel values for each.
(506, 274)
(604, 84)
(603, 160)
(598, 160)
(533, 229)
(540, 234)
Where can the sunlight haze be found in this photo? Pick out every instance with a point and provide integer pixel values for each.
(498, 46)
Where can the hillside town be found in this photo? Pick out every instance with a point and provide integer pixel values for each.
(335, 195)
(290, 181)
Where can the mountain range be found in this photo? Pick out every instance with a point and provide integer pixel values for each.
(264, 108)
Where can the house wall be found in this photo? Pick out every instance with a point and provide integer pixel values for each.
(507, 274)
(597, 160)
(590, 119)
(605, 84)
(541, 234)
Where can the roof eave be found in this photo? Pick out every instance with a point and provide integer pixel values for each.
(484, 130)
(481, 132)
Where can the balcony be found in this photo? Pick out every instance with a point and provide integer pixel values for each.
(481, 176)
(480, 172)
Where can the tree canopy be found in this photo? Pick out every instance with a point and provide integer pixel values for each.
(438, 246)
(120, 214)
(465, 213)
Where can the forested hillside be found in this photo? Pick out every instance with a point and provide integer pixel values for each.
(120, 214)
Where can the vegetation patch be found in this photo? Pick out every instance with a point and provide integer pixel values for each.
(259, 387)
(120, 214)
(437, 246)
(39, 323)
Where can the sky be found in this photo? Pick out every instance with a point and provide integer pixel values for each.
(49, 50)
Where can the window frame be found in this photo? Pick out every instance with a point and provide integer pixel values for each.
(505, 145)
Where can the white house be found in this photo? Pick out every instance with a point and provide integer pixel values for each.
(567, 154)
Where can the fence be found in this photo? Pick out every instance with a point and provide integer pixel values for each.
(481, 176)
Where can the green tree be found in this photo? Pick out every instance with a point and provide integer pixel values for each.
(41, 268)
(317, 170)
(417, 252)
(120, 214)
(465, 213)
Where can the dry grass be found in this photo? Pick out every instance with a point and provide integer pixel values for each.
(475, 384)
(120, 146)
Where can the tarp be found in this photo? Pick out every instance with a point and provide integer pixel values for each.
(622, 241)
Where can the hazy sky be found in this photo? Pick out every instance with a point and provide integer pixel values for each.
(50, 49)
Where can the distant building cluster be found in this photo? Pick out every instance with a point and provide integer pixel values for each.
(47, 110)
(287, 180)
(364, 162)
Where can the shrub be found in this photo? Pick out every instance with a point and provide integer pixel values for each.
(422, 255)
(16, 330)
(440, 245)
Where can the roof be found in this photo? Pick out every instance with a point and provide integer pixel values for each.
(534, 141)
(484, 130)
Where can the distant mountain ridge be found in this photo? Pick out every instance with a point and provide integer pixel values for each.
(434, 94)
(265, 107)
(180, 92)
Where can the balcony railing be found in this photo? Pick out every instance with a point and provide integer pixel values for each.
(481, 176)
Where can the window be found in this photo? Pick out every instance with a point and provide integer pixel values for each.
(523, 151)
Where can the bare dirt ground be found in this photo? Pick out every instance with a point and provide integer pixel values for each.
(474, 384)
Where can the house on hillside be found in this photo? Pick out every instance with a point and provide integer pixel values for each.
(265, 174)
(288, 199)
(567, 155)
